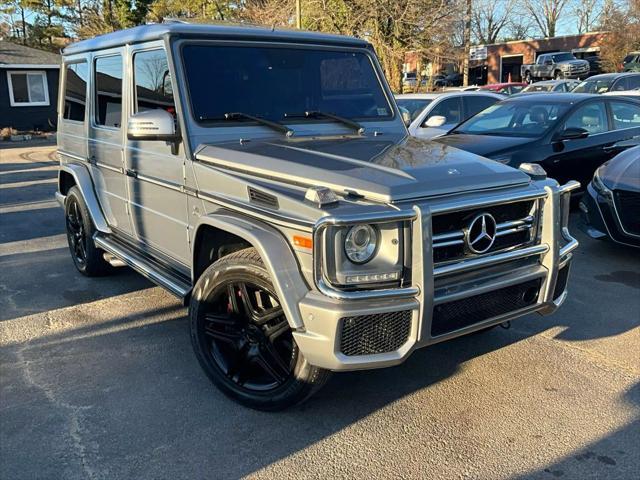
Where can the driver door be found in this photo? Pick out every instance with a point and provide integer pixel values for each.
(450, 108)
(578, 159)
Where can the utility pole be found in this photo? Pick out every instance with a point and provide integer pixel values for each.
(298, 15)
(467, 43)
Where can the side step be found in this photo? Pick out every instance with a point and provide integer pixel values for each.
(177, 284)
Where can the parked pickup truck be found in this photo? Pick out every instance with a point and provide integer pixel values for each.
(266, 179)
(555, 66)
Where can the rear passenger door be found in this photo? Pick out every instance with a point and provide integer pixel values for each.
(625, 120)
(155, 174)
(106, 136)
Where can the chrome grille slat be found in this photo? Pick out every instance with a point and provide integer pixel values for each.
(504, 228)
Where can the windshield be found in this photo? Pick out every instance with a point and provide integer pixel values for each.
(562, 57)
(594, 86)
(413, 105)
(538, 88)
(514, 119)
(273, 83)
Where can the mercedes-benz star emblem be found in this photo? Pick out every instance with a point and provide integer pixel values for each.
(481, 233)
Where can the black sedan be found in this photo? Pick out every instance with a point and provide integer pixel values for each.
(569, 135)
(611, 204)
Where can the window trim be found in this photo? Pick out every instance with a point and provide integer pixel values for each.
(43, 75)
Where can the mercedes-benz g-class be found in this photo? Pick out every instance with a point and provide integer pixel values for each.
(266, 179)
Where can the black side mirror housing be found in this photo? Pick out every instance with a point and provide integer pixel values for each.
(572, 133)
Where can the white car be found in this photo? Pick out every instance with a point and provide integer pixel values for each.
(430, 115)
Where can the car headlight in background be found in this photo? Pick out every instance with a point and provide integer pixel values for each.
(597, 182)
(361, 243)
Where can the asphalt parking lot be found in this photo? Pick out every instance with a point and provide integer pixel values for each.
(98, 380)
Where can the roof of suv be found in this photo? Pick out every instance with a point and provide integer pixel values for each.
(145, 33)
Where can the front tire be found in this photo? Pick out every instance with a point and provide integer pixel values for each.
(558, 75)
(242, 338)
(88, 259)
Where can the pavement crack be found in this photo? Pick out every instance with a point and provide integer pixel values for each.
(74, 413)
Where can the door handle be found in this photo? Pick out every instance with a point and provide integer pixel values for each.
(609, 148)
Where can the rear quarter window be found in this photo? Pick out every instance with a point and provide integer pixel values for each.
(75, 91)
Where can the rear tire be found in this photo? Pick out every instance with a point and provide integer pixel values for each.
(242, 338)
(88, 259)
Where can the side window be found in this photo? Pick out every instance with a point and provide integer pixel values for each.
(153, 81)
(591, 117)
(625, 115)
(541, 59)
(619, 85)
(75, 91)
(449, 108)
(633, 82)
(476, 103)
(108, 85)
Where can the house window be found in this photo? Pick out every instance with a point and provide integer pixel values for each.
(28, 88)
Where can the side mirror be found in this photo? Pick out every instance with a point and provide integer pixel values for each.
(436, 121)
(573, 133)
(154, 125)
(406, 116)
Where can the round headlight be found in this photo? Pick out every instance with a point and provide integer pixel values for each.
(360, 243)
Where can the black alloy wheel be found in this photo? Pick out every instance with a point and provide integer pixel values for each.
(242, 338)
(76, 233)
(248, 335)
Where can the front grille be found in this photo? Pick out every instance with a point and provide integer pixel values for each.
(561, 281)
(378, 333)
(628, 208)
(516, 227)
(451, 316)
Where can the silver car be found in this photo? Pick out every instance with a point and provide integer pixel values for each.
(267, 180)
(428, 115)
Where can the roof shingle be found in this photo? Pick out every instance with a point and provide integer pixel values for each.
(16, 54)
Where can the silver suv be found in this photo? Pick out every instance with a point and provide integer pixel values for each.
(266, 179)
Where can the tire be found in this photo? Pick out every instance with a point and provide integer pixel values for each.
(247, 350)
(527, 77)
(558, 75)
(88, 259)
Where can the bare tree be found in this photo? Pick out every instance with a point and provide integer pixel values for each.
(490, 18)
(545, 14)
(587, 14)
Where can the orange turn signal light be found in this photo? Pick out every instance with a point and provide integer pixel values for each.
(304, 242)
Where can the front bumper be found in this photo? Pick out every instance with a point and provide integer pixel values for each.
(601, 219)
(512, 283)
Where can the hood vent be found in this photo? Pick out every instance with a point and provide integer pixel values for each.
(262, 198)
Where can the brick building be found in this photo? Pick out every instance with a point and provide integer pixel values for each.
(501, 59)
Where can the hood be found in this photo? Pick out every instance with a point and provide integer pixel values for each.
(623, 172)
(577, 63)
(485, 145)
(385, 170)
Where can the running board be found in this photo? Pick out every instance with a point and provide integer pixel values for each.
(174, 282)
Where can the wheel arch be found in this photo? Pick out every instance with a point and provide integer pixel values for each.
(70, 175)
(273, 248)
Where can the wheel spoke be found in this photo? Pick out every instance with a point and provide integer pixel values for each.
(238, 368)
(222, 328)
(246, 301)
(278, 329)
(260, 318)
(269, 359)
(233, 299)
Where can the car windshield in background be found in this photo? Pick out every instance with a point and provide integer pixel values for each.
(276, 83)
(562, 57)
(538, 88)
(594, 86)
(514, 119)
(413, 105)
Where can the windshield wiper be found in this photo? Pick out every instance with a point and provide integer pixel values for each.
(245, 116)
(317, 114)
